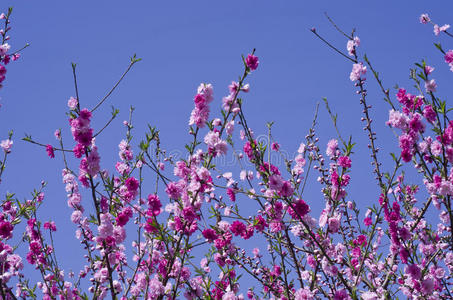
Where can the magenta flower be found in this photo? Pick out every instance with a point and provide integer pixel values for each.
(299, 209)
(50, 226)
(252, 62)
(287, 189)
(154, 205)
(231, 194)
(449, 57)
(210, 234)
(238, 228)
(6, 229)
(344, 161)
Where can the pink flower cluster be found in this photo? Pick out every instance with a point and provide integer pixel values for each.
(81, 131)
(200, 113)
(357, 71)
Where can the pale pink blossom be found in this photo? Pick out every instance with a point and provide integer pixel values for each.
(72, 103)
(424, 19)
(6, 145)
(430, 85)
(357, 71)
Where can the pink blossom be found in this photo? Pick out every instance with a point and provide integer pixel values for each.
(6, 229)
(237, 228)
(430, 85)
(210, 234)
(352, 44)
(427, 286)
(6, 145)
(413, 271)
(298, 209)
(429, 113)
(106, 227)
(252, 62)
(444, 27)
(416, 124)
(79, 150)
(344, 161)
(275, 146)
(72, 103)
(49, 150)
(229, 128)
(123, 216)
(332, 146)
(260, 223)
(215, 144)
(436, 148)
(80, 128)
(437, 30)
(287, 189)
(248, 149)
(303, 294)
(76, 216)
(357, 71)
(449, 57)
(4, 48)
(58, 134)
(397, 119)
(428, 69)
(173, 190)
(231, 194)
(207, 91)
(334, 223)
(122, 168)
(50, 226)
(93, 161)
(275, 182)
(370, 296)
(154, 205)
(424, 19)
(15, 56)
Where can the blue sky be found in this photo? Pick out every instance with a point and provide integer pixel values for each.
(183, 43)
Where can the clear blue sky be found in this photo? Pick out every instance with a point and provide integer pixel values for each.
(183, 43)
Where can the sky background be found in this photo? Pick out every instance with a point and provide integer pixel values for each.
(184, 43)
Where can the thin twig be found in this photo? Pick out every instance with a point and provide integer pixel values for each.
(133, 61)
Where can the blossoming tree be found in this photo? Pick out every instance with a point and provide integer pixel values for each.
(191, 236)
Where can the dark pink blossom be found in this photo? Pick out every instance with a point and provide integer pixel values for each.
(50, 226)
(238, 228)
(287, 189)
(231, 194)
(298, 209)
(6, 229)
(124, 216)
(210, 234)
(252, 62)
(344, 161)
(260, 223)
(154, 205)
(50, 152)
